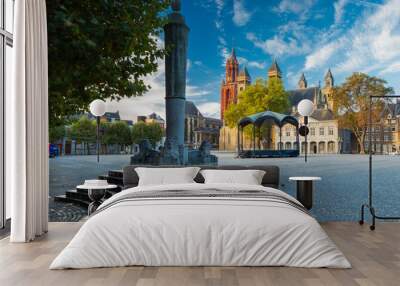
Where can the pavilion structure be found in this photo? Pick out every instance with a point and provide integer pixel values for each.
(257, 120)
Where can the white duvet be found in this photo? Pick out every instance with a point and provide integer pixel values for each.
(202, 232)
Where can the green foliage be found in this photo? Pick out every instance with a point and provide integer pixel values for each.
(258, 97)
(117, 133)
(152, 131)
(351, 103)
(56, 133)
(277, 99)
(100, 49)
(83, 130)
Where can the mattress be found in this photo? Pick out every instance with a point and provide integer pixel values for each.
(201, 225)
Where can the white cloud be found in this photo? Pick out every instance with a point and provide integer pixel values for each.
(240, 15)
(321, 56)
(278, 46)
(210, 109)
(294, 6)
(257, 65)
(252, 64)
(195, 91)
(374, 40)
(339, 10)
(371, 45)
(154, 99)
(393, 68)
(219, 4)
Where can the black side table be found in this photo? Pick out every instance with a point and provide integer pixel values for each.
(305, 190)
(96, 195)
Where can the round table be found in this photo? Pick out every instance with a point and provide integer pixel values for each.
(96, 194)
(305, 190)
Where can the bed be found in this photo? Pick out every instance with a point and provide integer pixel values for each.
(197, 224)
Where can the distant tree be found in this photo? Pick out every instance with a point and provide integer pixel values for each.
(277, 99)
(258, 97)
(352, 103)
(152, 131)
(118, 132)
(84, 131)
(56, 133)
(100, 49)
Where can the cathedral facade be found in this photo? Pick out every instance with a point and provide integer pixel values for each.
(325, 135)
(235, 81)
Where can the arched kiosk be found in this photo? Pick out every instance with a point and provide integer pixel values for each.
(257, 120)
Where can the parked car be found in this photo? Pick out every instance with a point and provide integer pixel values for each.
(53, 150)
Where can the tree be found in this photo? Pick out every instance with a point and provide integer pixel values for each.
(84, 131)
(258, 97)
(56, 133)
(277, 99)
(100, 49)
(118, 132)
(152, 131)
(352, 103)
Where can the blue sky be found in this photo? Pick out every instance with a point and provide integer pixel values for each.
(307, 36)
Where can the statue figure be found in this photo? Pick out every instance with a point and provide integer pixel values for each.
(202, 156)
(169, 154)
(146, 154)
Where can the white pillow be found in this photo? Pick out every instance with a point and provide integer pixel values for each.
(248, 177)
(166, 176)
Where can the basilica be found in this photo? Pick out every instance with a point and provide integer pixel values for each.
(325, 135)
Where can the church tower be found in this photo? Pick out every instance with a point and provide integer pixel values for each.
(274, 71)
(327, 90)
(243, 80)
(229, 86)
(302, 82)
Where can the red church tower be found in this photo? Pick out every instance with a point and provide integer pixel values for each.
(229, 85)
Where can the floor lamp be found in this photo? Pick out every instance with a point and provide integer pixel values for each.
(369, 205)
(305, 108)
(98, 108)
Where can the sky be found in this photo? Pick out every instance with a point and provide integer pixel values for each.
(307, 36)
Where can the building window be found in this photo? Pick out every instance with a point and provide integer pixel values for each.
(288, 132)
(312, 131)
(330, 131)
(321, 131)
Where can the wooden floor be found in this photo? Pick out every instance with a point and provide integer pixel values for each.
(375, 257)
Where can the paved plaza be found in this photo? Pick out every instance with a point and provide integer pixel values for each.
(344, 185)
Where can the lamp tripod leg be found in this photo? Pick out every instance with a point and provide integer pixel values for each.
(372, 226)
(361, 221)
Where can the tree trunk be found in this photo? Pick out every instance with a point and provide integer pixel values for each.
(361, 141)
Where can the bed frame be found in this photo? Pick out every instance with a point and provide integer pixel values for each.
(270, 179)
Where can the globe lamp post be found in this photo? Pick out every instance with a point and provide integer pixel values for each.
(305, 108)
(97, 108)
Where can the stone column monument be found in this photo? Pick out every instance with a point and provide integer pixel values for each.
(174, 152)
(176, 40)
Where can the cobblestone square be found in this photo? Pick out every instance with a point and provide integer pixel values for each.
(344, 185)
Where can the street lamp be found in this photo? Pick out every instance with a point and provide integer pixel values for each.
(97, 108)
(305, 108)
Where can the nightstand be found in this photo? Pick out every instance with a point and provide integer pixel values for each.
(96, 194)
(305, 190)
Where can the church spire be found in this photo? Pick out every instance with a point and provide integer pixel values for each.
(274, 70)
(233, 54)
(232, 67)
(302, 82)
(329, 81)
